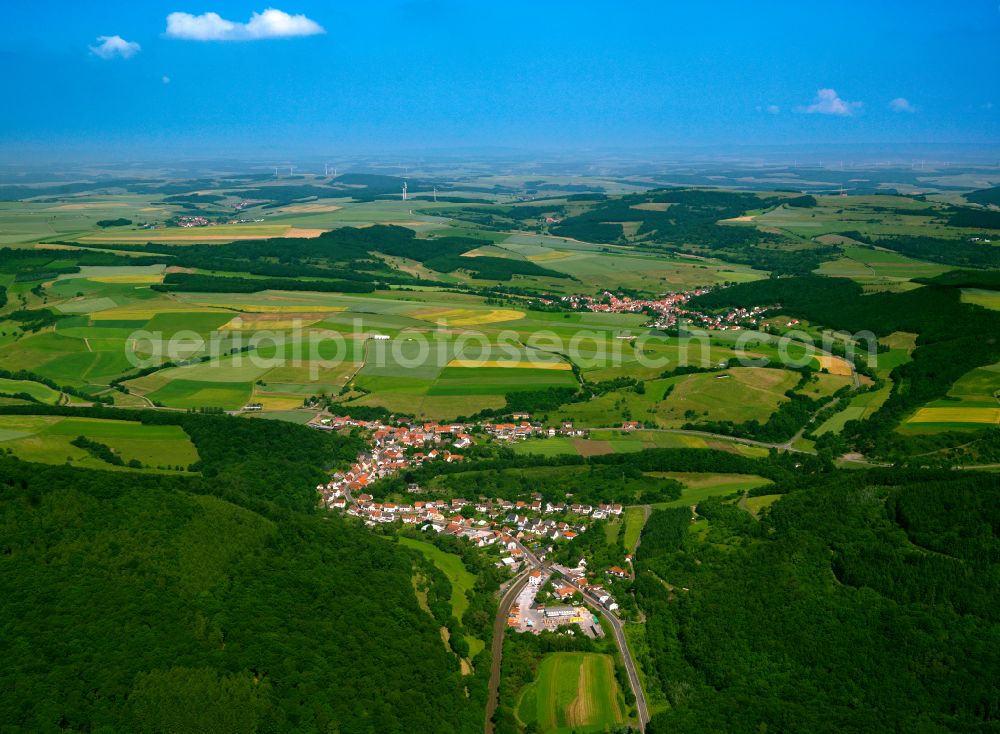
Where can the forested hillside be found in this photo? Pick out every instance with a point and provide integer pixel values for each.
(222, 603)
(866, 603)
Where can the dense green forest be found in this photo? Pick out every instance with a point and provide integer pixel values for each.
(196, 283)
(136, 602)
(986, 279)
(864, 603)
(961, 253)
(985, 196)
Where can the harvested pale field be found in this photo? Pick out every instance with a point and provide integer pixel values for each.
(466, 316)
(310, 208)
(652, 206)
(137, 279)
(82, 205)
(200, 234)
(510, 364)
(55, 246)
(548, 256)
(278, 321)
(744, 218)
(982, 415)
(307, 232)
(834, 365)
(266, 308)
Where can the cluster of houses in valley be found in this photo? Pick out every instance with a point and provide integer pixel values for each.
(200, 221)
(524, 430)
(391, 450)
(609, 302)
(565, 588)
(668, 309)
(733, 320)
(455, 435)
(508, 526)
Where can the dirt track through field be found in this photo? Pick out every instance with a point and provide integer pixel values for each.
(580, 710)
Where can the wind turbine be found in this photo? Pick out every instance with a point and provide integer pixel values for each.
(404, 190)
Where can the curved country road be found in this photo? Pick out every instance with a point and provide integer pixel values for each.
(496, 654)
(626, 653)
(500, 627)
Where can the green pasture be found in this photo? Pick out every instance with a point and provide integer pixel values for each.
(202, 394)
(47, 439)
(635, 519)
(870, 215)
(972, 403)
(738, 394)
(461, 580)
(617, 441)
(572, 692)
(699, 486)
(872, 265)
(41, 393)
(984, 298)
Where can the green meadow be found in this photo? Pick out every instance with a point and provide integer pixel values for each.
(47, 439)
(38, 391)
(699, 486)
(572, 692)
(461, 580)
(635, 519)
(616, 441)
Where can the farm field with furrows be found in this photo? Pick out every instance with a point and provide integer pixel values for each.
(573, 692)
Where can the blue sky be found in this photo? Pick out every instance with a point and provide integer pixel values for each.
(537, 75)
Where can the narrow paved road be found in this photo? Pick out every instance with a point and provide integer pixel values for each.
(706, 434)
(630, 666)
(500, 627)
(496, 655)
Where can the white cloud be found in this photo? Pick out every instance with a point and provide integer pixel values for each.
(829, 103)
(271, 23)
(901, 104)
(110, 47)
(773, 109)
